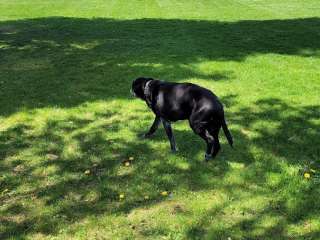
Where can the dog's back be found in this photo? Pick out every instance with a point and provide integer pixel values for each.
(177, 101)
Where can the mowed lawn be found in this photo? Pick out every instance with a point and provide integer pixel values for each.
(68, 123)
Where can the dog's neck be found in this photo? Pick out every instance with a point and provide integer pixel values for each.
(146, 88)
(147, 93)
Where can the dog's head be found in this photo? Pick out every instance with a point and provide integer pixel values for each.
(138, 87)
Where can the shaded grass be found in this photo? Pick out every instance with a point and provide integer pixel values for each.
(47, 62)
(66, 109)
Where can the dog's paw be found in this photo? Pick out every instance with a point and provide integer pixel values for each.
(207, 157)
(175, 150)
(144, 136)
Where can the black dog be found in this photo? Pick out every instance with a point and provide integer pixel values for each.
(178, 101)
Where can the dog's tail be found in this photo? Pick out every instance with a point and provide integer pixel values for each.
(226, 131)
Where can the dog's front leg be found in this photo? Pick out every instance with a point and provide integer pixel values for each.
(167, 127)
(153, 128)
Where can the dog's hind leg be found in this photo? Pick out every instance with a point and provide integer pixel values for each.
(153, 128)
(210, 143)
(168, 129)
(216, 143)
(200, 129)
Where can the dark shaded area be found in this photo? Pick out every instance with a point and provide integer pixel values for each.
(67, 61)
(69, 192)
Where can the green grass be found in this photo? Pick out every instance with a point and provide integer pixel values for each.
(66, 68)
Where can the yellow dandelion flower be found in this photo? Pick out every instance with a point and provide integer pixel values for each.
(164, 193)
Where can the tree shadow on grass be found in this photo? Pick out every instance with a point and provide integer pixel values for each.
(49, 186)
(64, 62)
(44, 170)
(284, 135)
